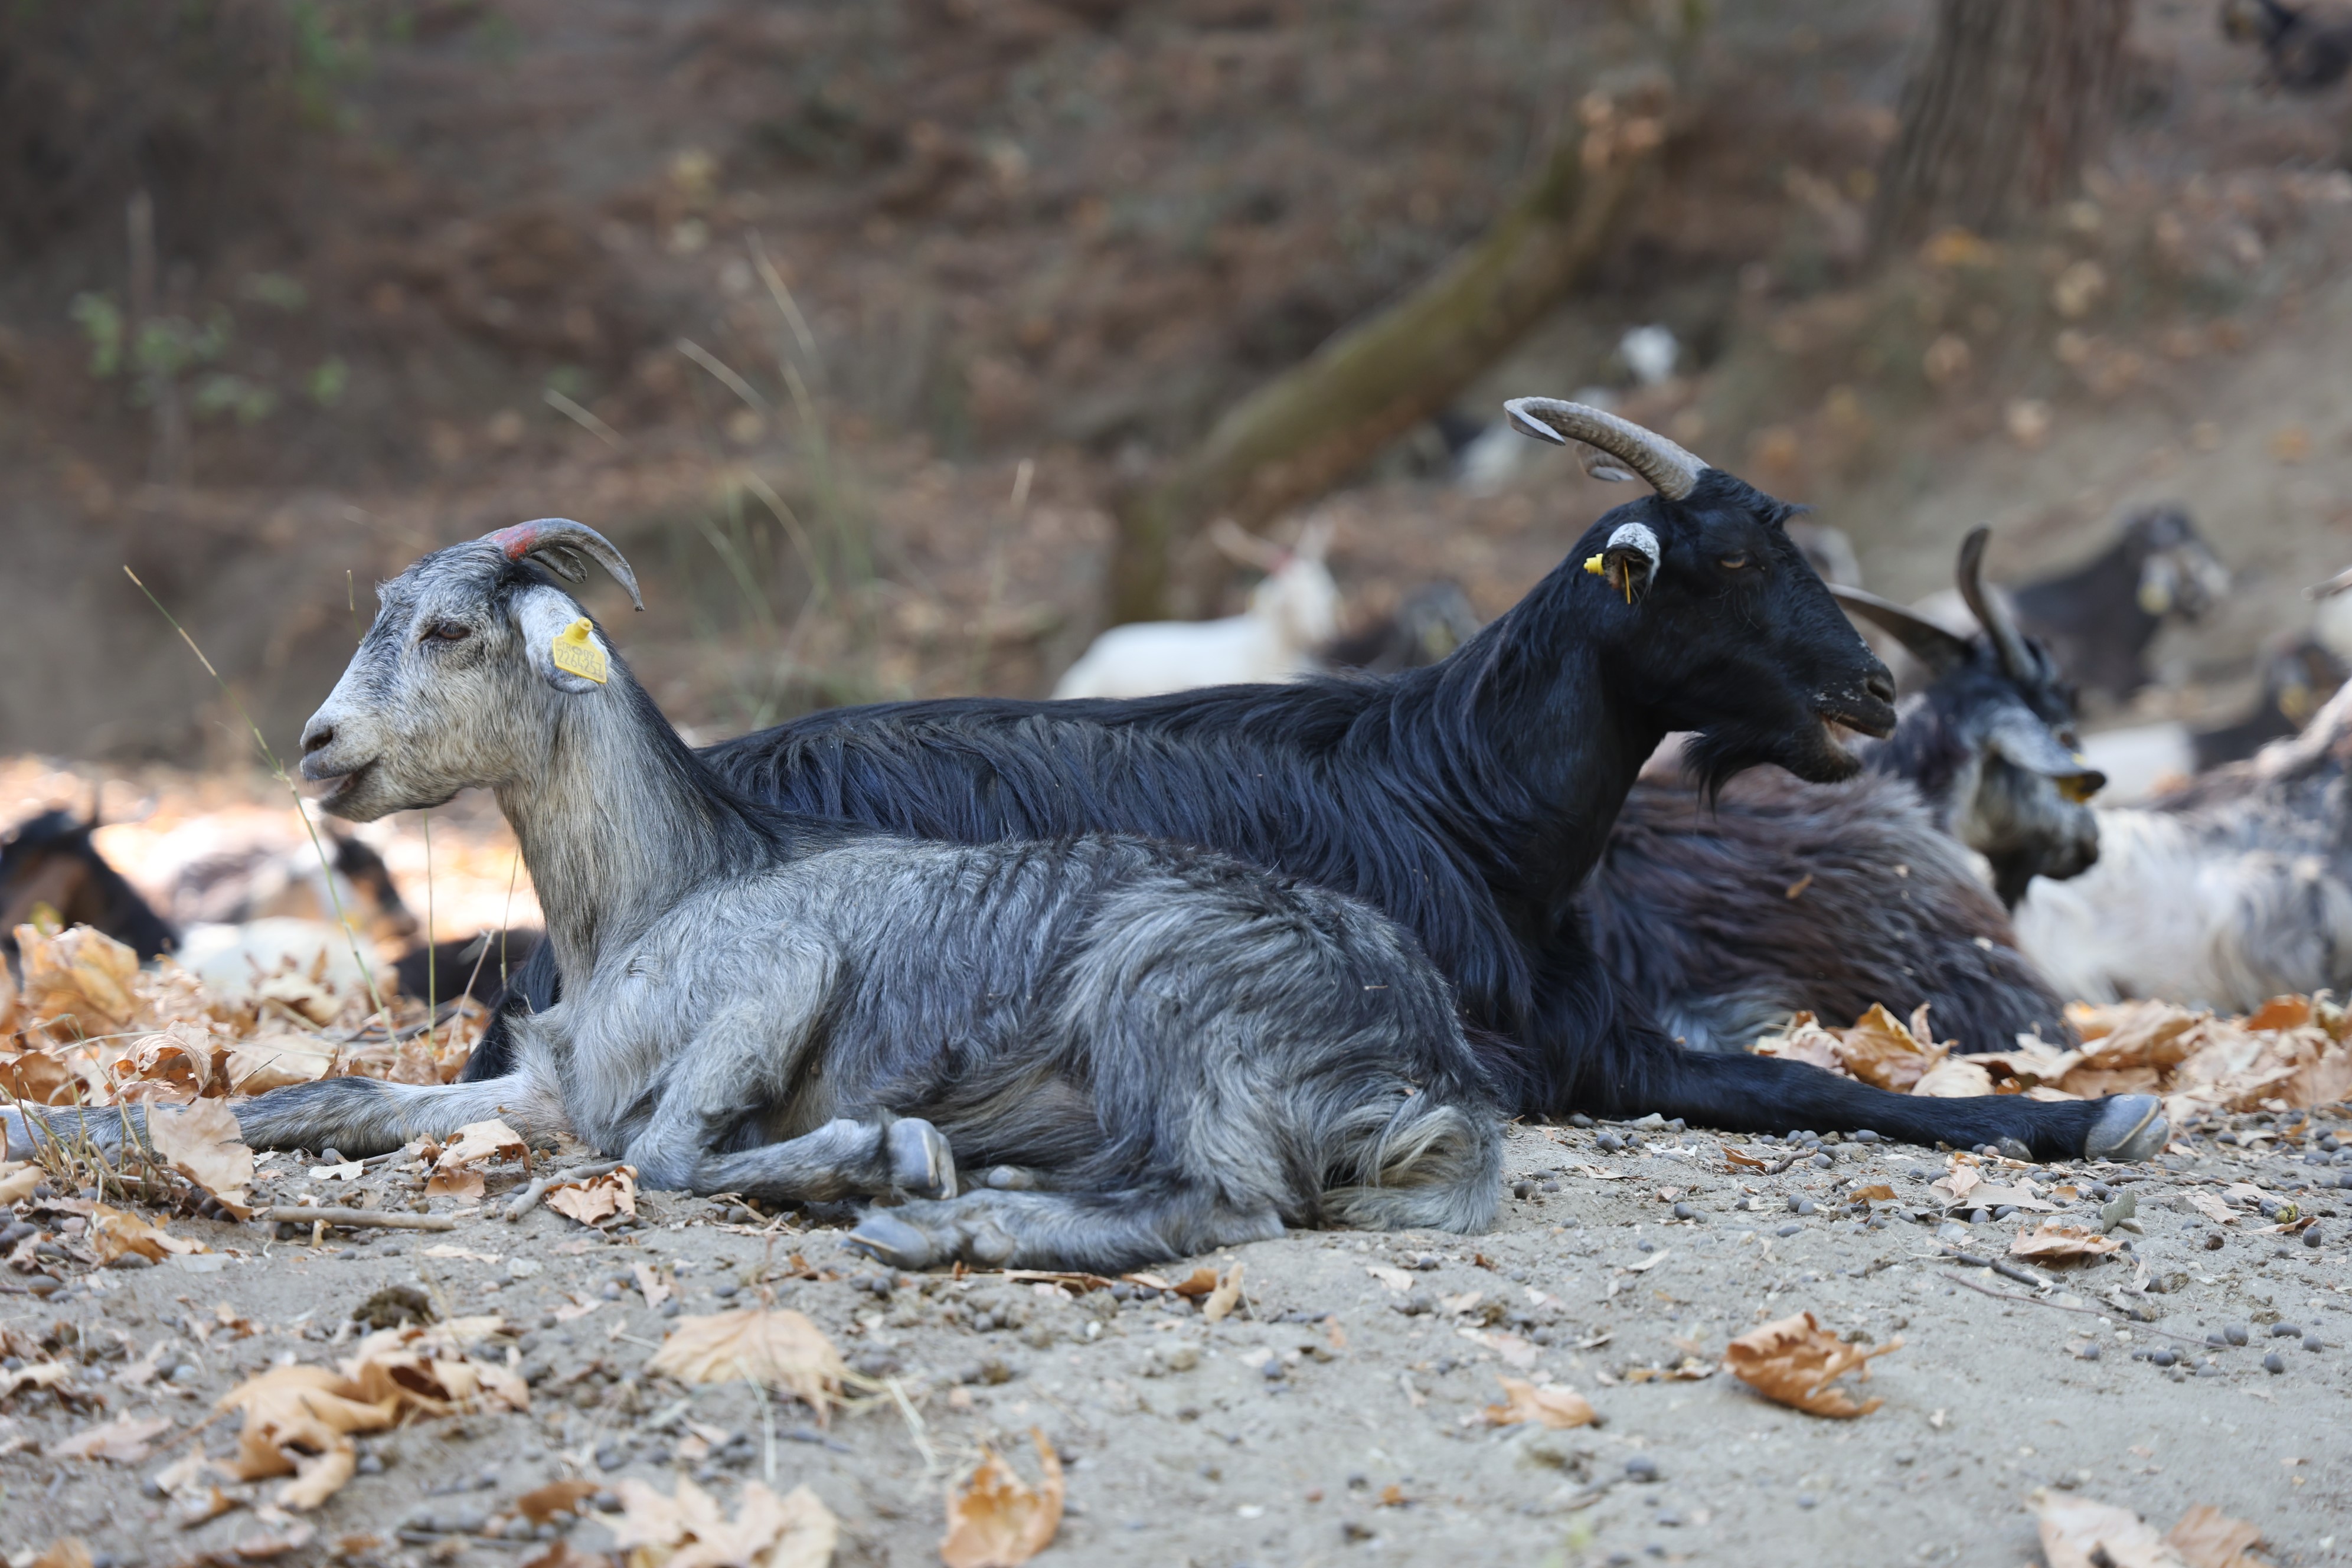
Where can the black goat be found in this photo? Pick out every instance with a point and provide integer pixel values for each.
(2299, 674)
(1467, 800)
(1727, 915)
(2098, 620)
(50, 861)
(2304, 48)
(1433, 620)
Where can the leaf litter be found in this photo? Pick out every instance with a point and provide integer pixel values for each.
(692, 1530)
(773, 1346)
(997, 1519)
(1793, 1362)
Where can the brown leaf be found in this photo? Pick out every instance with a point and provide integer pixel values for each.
(692, 1531)
(995, 1519)
(1793, 1361)
(2208, 1538)
(18, 1179)
(557, 1497)
(597, 1199)
(2212, 1207)
(78, 982)
(1955, 1077)
(204, 1143)
(563, 1554)
(776, 1346)
(651, 1285)
(1222, 1298)
(123, 1441)
(1736, 1157)
(2058, 1242)
(1553, 1407)
(1804, 1040)
(476, 1142)
(2077, 1533)
(66, 1550)
(463, 1185)
(1200, 1282)
(298, 1421)
(1880, 1050)
(279, 1061)
(113, 1231)
(1876, 1193)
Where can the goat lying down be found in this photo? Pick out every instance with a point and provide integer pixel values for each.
(1467, 800)
(1728, 911)
(1174, 1050)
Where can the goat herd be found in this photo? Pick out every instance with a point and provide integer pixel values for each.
(1097, 981)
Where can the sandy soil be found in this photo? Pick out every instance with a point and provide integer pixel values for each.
(1338, 1415)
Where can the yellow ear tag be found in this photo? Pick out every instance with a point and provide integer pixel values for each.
(576, 655)
(1593, 563)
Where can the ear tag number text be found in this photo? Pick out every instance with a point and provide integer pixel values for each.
(575, 654)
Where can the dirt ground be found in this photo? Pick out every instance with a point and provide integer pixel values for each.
(1337, 1414)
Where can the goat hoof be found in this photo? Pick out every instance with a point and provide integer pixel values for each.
(2130, 1126)
(989, 1247)
(921, 1162)
(888, 1239)
(1010, 1179)
(2013, 1149)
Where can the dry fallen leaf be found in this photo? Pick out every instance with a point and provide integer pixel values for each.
(299, 1419)
(66, 1551)
(476, 1142)
(204, 1143)
(2056, 1242)
(1222, 1298)
(692, 1531)
(123, 1441)
(1881, 1051)
(1793, 1361)
(1396, 1280)
(779, 1347)
(1553, 1407)
(597, 1199)
(113, 1231)
(2212, 1207)
(995, 1519)
(2077, 1533)
(557, 1497)
(651, 1285)
(77, 984)
(17, 1180)
(2208, 1538)
(1876, 1193)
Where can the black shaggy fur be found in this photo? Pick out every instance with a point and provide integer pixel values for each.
(49, 859)
(1467, 800)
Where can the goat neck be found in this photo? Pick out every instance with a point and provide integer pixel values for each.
(618, 819)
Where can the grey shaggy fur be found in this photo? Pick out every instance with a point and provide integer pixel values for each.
(1168, 1050)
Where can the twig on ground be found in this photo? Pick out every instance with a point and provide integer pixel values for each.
(2062, 1307)
(540, 1185)
(2005, 1269)
(356, 1219)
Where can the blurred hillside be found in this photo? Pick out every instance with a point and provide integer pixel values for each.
(784, 297)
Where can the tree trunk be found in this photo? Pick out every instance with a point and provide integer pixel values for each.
(1296, 438)
(2014, 98)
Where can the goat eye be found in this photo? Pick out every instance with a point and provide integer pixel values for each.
(448, 631)
(1732, 563)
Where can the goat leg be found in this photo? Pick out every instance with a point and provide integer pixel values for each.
(1104, 1231)
(843, 1159)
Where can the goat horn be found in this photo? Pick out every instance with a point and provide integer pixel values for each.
(558, 542)
(1930, 644)
(1671, 472)
(1991, 611)
(2334, 585)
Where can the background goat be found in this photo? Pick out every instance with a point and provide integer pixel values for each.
(1292, 613)
(1468, 799)
(1432, 621)
(1185, 1051)
(2098, 620)
(48, 861)
(2228, 891)
(2305, 48)
(1728, 913)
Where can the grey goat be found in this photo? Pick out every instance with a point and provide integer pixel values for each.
(1161, 1050)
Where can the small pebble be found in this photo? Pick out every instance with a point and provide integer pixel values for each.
(2090, 1352)
(186, 1373)
(349, 1255)
(2236, 1333)
(1642, 1467)
(1789, 1230)
(2162, 1358)
(1684, 1210)
(1806, 1499)
(1824, 1161)
(2285, 1331)
(725, 1292)
(1806, 1205)
(2312, 1342)
(2004, 1211)
(2274, 1363)
(2311, 1236)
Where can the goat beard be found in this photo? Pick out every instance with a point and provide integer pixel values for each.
(1716, 755)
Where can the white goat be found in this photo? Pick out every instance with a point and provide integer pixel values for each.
(2233, 889)
(1294, 612)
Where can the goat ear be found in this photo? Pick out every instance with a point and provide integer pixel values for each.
(2023, 740)
(563, 647)
(1922, 638)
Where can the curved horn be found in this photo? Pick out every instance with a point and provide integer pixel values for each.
(1930, 644)
(1991, 611)
(2334, 585)
(558, 543)
(1671, 472)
